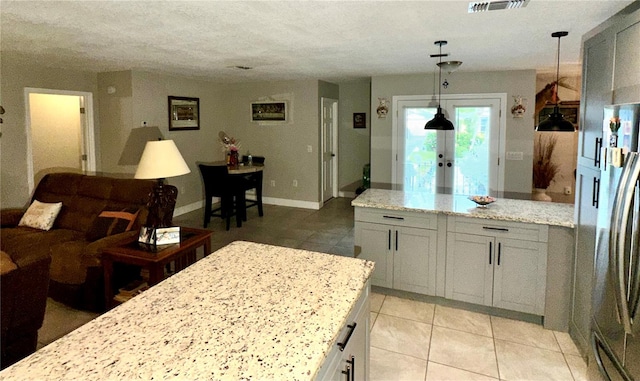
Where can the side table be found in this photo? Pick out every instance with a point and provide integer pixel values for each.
(130, 251)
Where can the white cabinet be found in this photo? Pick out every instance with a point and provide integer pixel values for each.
(497, 264)
(403, 245)
(348, 359)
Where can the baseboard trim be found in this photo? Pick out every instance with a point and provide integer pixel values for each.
(348, 194)
(265, 200)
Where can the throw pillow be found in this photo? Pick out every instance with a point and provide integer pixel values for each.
(110, 222)
(40, 215)
(6, 263)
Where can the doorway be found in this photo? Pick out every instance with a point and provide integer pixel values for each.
(60, 133)
(329, 149)
(463, 161)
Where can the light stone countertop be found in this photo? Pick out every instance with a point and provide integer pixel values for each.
(247, 311)
(544, 213)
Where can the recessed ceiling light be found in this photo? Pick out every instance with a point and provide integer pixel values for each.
(483, 6)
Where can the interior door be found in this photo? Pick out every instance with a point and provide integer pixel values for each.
(462, 161)
(329, 149)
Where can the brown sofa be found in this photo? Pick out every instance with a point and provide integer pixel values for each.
(24, 282)
(76, 276)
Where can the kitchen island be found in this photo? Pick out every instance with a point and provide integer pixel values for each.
(514, 255)
(247, 311)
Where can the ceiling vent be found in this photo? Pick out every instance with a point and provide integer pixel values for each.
(483, 6)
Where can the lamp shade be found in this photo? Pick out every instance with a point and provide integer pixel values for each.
(556, 123)
(439, 122)
(161, 159)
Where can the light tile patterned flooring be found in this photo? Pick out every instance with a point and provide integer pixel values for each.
(414, 340)
(410, 340)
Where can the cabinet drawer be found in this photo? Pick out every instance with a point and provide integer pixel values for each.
(397, 217)
(500, 229)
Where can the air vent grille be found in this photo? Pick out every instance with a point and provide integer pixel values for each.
(483, 6)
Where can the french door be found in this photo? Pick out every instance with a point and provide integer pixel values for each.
(463, 161)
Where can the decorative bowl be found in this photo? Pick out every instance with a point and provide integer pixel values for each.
(482, 201)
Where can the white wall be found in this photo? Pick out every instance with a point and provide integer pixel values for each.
(519, 134)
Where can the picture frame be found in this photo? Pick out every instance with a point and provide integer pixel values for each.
(269, 111)
(570, 110)
(159, 236)
(359, 120)
(184, 113)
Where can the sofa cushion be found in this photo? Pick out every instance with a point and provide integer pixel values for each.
(6, 264)
(111, 222)
(40, 215)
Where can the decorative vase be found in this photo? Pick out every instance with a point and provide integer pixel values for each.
(540, 194)
(233, 159)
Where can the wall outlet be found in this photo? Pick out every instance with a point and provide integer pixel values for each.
(273, 183)
(295, 183)
(567, 190)
(309, 149)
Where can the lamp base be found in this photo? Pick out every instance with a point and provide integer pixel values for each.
(162, 202)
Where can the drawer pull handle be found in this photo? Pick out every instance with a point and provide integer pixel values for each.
(352, 327)
(352, 364)
(394, 218)
(498, 229)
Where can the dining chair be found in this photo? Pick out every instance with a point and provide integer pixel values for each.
(254, 181)
(230, 190)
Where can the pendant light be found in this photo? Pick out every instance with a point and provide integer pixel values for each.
(556, 121)
(439, 122)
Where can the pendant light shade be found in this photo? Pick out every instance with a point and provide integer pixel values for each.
(439, 121)
(556, 121)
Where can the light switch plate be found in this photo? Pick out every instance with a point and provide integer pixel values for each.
(514, 155)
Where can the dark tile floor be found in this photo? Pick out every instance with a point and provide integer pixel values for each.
(328, 230)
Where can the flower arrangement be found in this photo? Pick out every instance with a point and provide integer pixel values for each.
(544, 170)
(229, 144)
(614, 124)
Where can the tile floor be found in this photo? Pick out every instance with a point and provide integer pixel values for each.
(410, 340)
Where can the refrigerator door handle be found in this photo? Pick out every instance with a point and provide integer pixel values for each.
(617, 239)
(634, 262)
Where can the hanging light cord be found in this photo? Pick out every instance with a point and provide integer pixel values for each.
(558, 71)
(439, 75)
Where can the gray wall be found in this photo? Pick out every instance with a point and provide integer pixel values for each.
(353, 144)
(16, 75)
(519, 134)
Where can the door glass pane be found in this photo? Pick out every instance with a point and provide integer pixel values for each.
(420, 147)
(472, 140)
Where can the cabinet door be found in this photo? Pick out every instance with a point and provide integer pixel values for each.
(519, 278)
(375, 242)
(597, 72)
(354, 359)
(586, 212)
(414, 260)
(469, 269)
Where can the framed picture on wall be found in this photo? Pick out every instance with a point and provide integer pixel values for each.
(359, 120)
(184, 113)
(275, 111)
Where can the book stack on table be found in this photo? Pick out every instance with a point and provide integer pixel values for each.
(130, 290)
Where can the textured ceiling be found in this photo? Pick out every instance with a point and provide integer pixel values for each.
(330, 40)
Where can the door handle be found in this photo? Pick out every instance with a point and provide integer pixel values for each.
(352, 327)
(449, 165)
(440, 164)
(396, 240)
(499, 252)
(595, 197)
(352, 364)
(333, 154)
(597, 153)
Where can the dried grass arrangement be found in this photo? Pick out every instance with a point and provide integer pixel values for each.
(544, 170)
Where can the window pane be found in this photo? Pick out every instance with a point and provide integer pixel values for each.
(471, 170)
(419, 151)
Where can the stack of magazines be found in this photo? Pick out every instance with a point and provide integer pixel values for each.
(130, 290)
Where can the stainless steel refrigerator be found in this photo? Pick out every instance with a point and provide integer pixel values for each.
(615, 325)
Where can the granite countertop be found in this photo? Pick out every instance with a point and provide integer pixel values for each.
(544, 213)
(247, 311)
